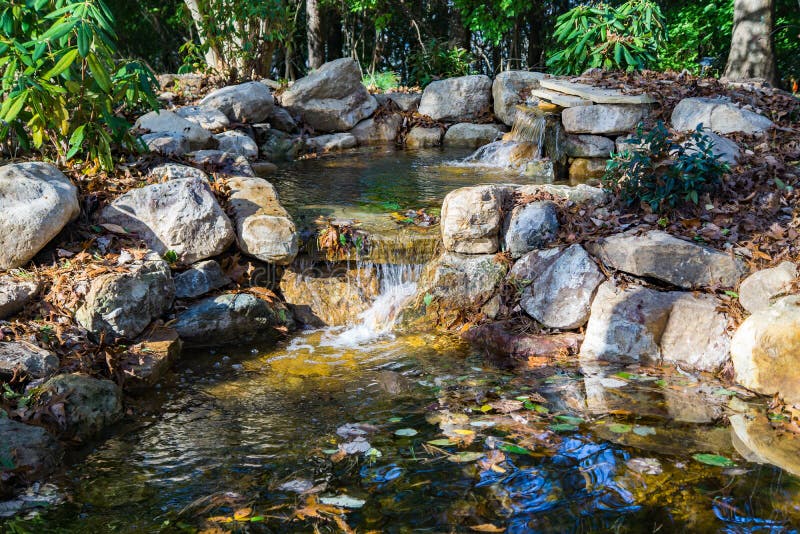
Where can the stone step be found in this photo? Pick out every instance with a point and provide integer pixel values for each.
(560, 99)
(595, 94)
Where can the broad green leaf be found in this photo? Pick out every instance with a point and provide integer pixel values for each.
(99, 72)
(441, 442)
(514, 449)
(715, 460)
(619, 428)
(63, 64)
(406, 432)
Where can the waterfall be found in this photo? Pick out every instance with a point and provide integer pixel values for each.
(529, 126)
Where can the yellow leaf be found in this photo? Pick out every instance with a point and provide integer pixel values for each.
(487, 527)
(463, 432)
(242, 513)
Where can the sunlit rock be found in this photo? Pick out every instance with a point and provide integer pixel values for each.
(168, 144)
(15, 293)
(144, 363)
(589, 146)
(719, 115)
(465, 98)
(509, 89)
(603, 119)
(696, 335)
(332, 142)
(585, 170)
(168, 122)
(209, 118)
(471, 219)
(238, 143)
(249, 102)
(420, 137)
(176, 171)
(468, 135)
(757, 290)
(378, 131)
(23, 357)
(759, 441)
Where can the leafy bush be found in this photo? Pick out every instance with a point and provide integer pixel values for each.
(439, 60)
(663, 174)
(626, 37)
(62, 86)
(697, 30)
(382, 81)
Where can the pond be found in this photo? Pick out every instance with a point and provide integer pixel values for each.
(359, 428)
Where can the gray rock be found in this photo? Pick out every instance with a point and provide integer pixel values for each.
(169, 144)
(727, 150)
(124, 303)
(238, 143)
(659, 255)
(561, 296)
(603, 119)
(531, 266)
(380, 131)
(529, 226)
(626, 325)
(719, 115)
(232, 318)
(766, 350)
(589, 146)
(404, 101)
(420, 137)
(15, 294)
(470, 219)
(219, 161)
(144, 363)
(263, 227)
(249, 102)
(579, 194)
(28, 450)
(468, 135)
(511, 88)
(34, 361)
(462, 282)
(176, 171)
(696, 335)
(201, 278)
(89, 404)
(459, 99)
(179, 215)
(208, 118)
(331, 98)
(282, 120)
(167, 122)
(757, 290)
(36, 202)
(332, 142)
(280, 146)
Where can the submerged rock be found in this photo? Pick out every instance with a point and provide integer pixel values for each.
(529, 226)
(263, 227)
(123, 303)
(179, 215)
(468, 135)
(766, 350)
(36, 202)
(658, 255)
(249, 102)
(85, 405)
(420, 137)
(471, 219)
(511, 88)
(461, 99)
(757, 290)
(145, 362)
(719, 115)
(331, 98)
(15, 294)
(21, 356)
(232, 318)
(201, 278)
(28, 452)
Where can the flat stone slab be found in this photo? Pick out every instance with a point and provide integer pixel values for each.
(560, 99)
(594, 94)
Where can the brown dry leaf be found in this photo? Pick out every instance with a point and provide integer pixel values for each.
(506, 405)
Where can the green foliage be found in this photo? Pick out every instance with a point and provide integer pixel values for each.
(63, 89)
(663, 174)
(493, 19)
(382, 81)
(624, 38)
(697, 30)
(439, 60)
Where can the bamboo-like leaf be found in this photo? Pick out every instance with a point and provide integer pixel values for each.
(63, 64)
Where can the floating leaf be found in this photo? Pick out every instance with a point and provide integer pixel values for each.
(343, 501)
(441, 442)
(619, 428)
(725, 392)
(515, 449)
(463, 432)
(715, 460)
(563, 427)
(330, 451)
(644, 430)
(569, 419)
(486, 408)
(487, 527)
(406, 432)
(395, 419)
(465, 457)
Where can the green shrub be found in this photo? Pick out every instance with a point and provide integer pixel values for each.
(626, 37)
(663, 174)
(439, 60)
(63, 89)
(382, 81)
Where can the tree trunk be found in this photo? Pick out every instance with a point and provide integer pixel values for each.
(213, 55)
(752, 54)
(316, 43)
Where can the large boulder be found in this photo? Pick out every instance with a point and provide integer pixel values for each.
(170, 144)
(696, 335)
(85, 405)
(727, 150)
(561, 295)
(124, 303)
(757, 290)
(282, 120)
(381, 131)
(36, 202)
(578, 194)
(238, 143)
(766, 350)
(589, 146)
(511, 88)
(462, 99)
(719, 115)
(207, 118)
(658, 255)
(201, 278)
(460, 282)
(758, 440)
(420, 137)
(264, 228)
(249, 102)
(318, 297)
(471, 219)
(179, 215)
(22, 356)
(15, 294)
(232, 318)
(26, 451)
(603, 119)
(626, 325)
(144, 363)
(468, 135)
(167, 122)
(404, 101)
(529, 226)
(331, 98)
